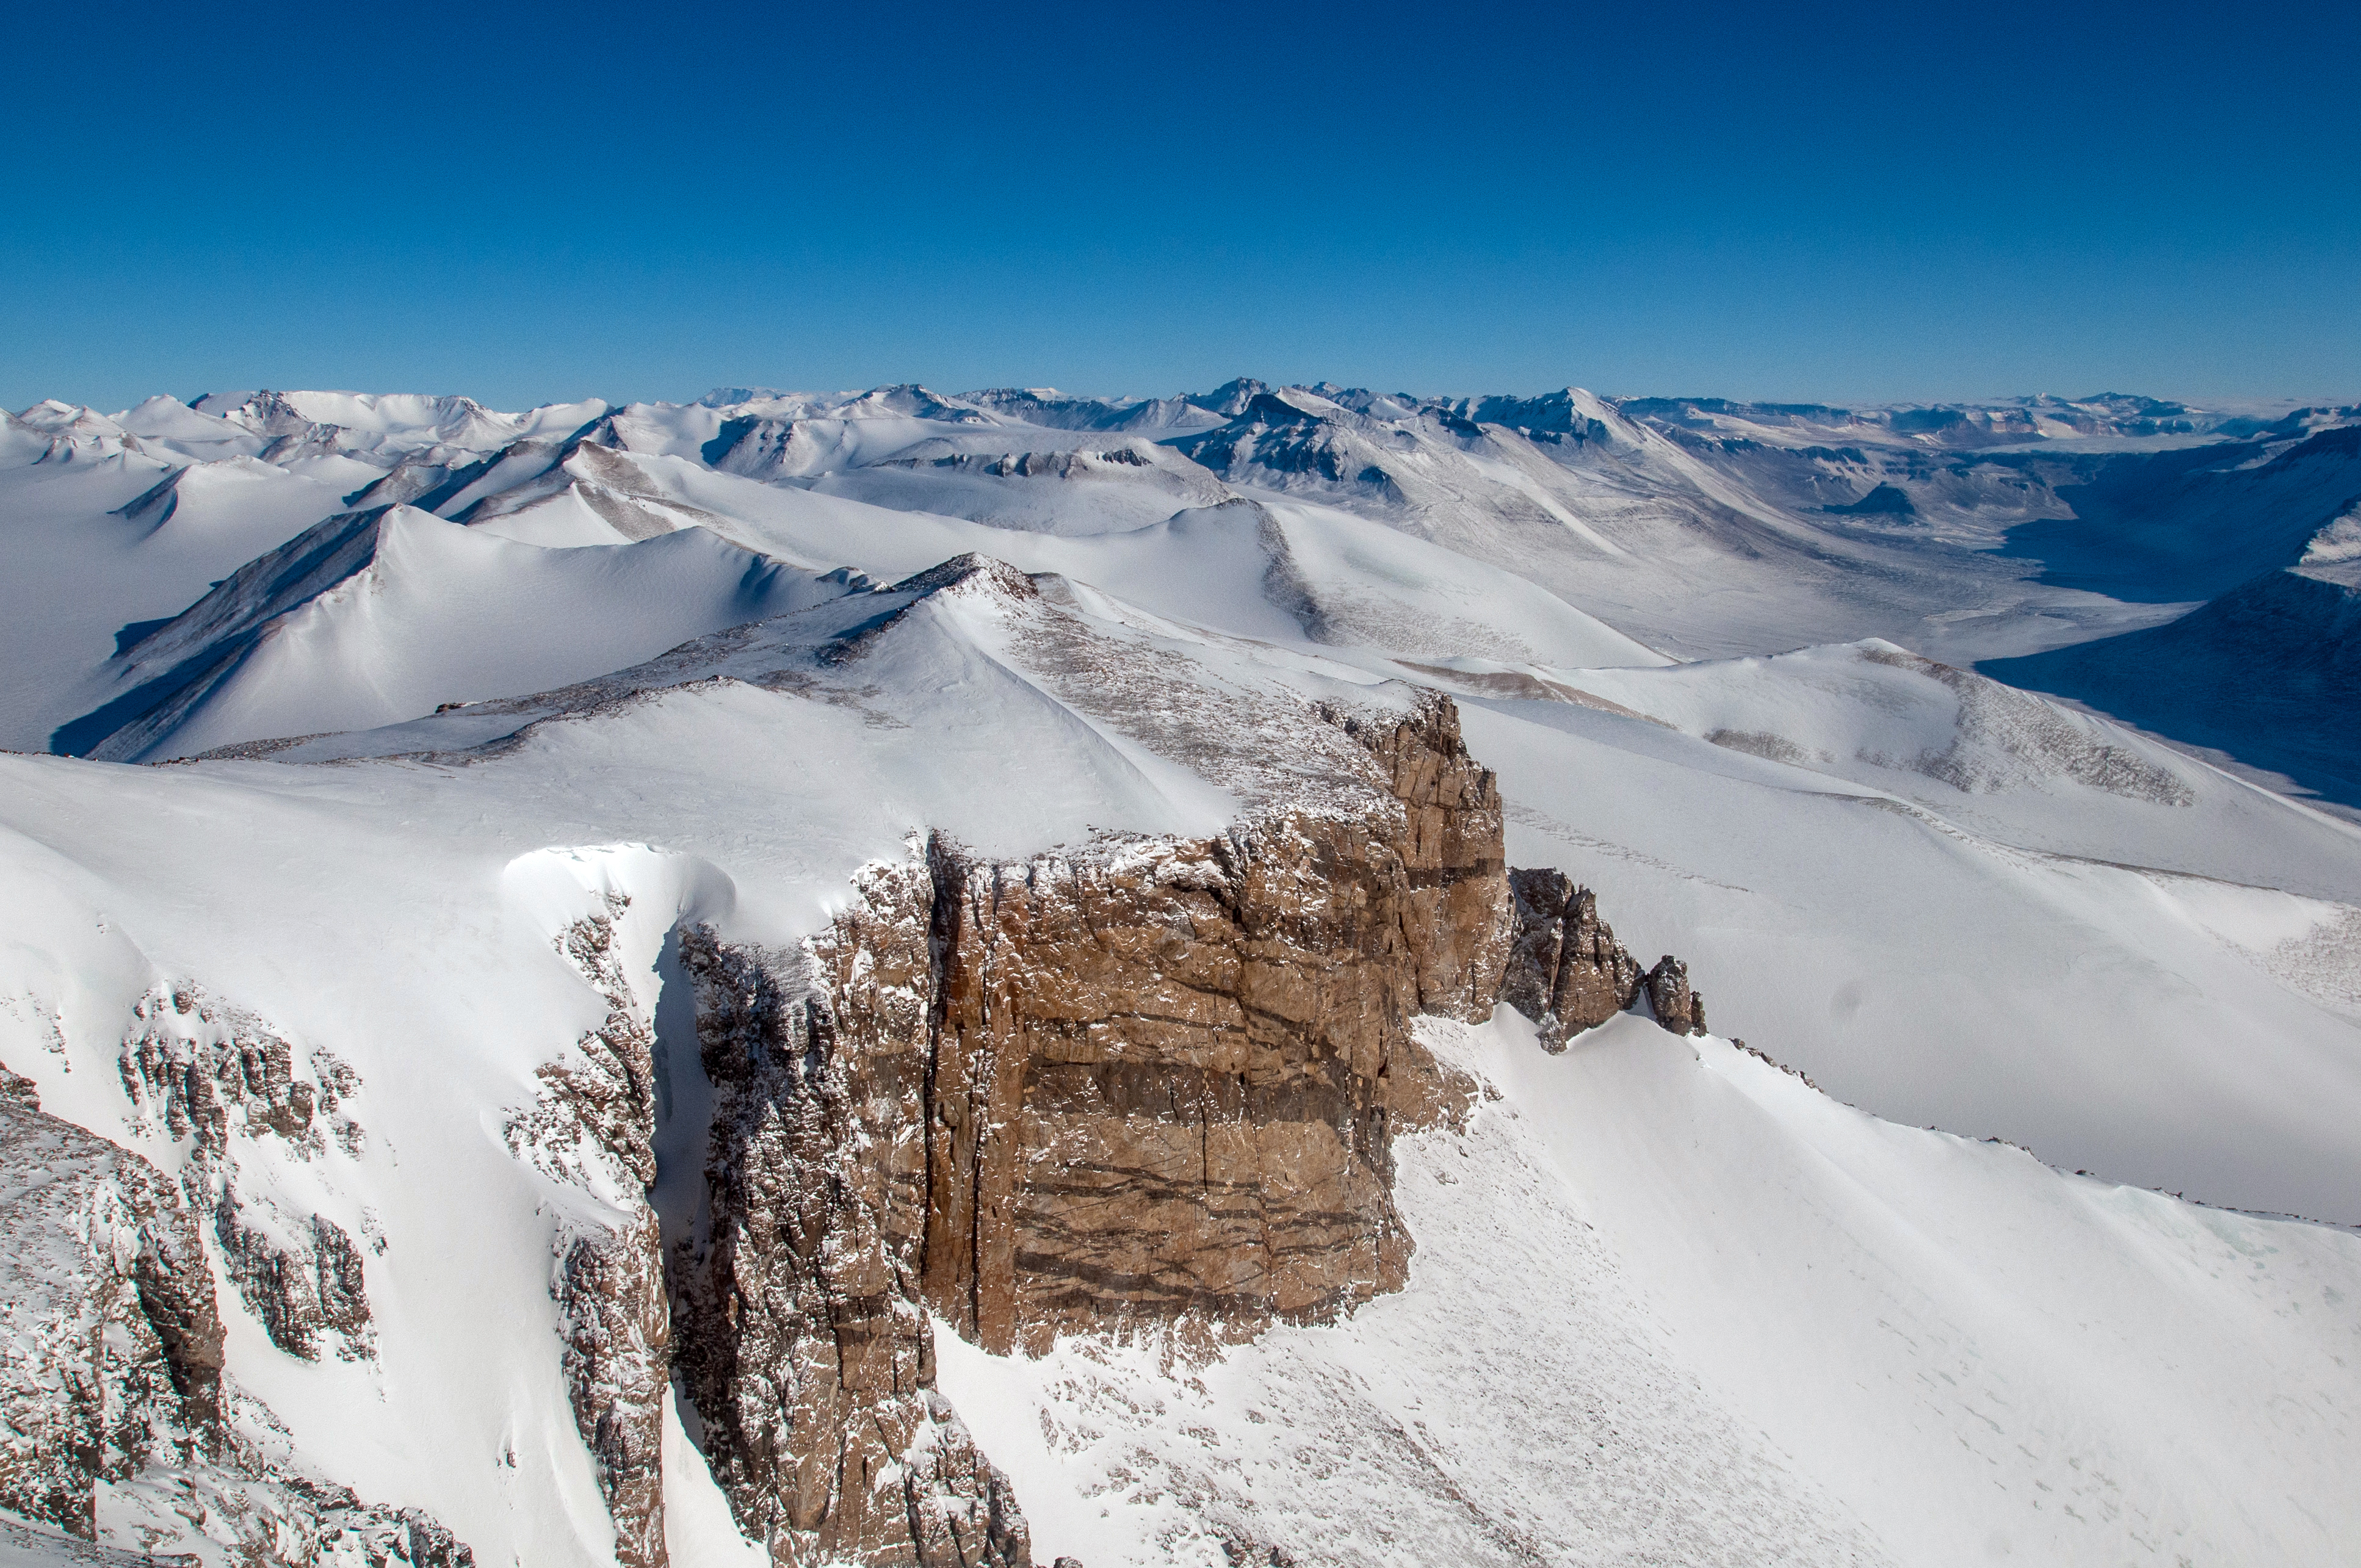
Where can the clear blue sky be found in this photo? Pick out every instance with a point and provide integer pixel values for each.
(530, 202)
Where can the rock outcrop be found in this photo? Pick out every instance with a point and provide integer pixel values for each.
(618, 1327)
(1165, 1078)
(601, 1100)
(1567, 972)
(593, 1126)
(112, 1357)
(199, 1070)
(1146, 1089)
(1676, 1006)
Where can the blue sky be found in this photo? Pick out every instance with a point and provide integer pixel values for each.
(530, 202)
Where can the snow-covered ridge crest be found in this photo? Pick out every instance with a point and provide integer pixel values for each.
(332, 631)
(2337, 542)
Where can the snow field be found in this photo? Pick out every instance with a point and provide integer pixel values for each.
(1669, 1305)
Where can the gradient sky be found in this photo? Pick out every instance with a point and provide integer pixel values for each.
(529, 202)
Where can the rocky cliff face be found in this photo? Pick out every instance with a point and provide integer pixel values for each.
(799, 1334)
(1149, 1089)
(1164, 1082)
(1146, 1089)
(114, 1409)
(618, 1327)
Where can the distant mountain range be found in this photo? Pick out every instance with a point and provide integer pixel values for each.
(1699, 526)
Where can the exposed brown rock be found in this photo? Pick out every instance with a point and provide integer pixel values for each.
(198, 1069)
(1166, 1079)
(799, 1334)
(376, 1534)
(212, 1072)
(306, 1289)
(1146, 1088)
(1453, 915)
(1567, 972)
(114, 1355)
(1163, 1083)
(618, 1327)
(1677, 1007)
(606, 1088)
(111, 1372)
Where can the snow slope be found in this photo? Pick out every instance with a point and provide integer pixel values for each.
(2084, 942)
(2185, 1030)
(2189, 524)
(1808, 784)
(1672, 1305)
(86, 565)
(368, 620)
(2262, 673)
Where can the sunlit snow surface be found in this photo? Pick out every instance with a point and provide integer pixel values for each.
(1669, 1305)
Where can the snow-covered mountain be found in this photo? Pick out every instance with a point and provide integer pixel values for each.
(899, 976)
(2263, 670)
